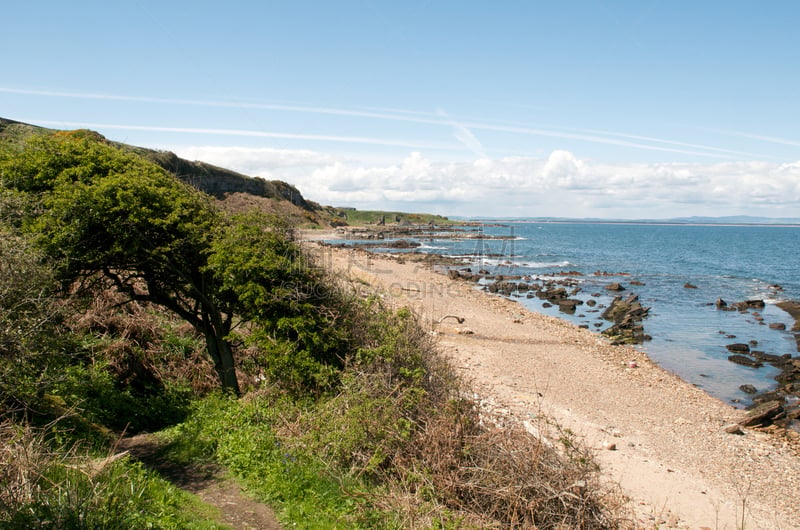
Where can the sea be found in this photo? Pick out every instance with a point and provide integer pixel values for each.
(656, 262)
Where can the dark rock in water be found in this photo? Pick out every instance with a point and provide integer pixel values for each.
(768, 396)
(568, 305)
(614, 287)
(774, 360)
(503, 287)
(627, 315)
(637, 282)
(777, 325)
(721, 304)
(688, 285)
(763, 414)
(547, 304)
(620, 308)
(403, 243)
(551, 293)
(745, 361)
(591, 303)
(738, 347)
(748, 389)
(749, 304)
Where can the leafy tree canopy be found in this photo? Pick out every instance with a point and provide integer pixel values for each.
(111, 217)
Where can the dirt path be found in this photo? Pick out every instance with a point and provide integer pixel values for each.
(660, 438)
(208, 482)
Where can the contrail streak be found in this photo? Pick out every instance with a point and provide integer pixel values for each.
(593, 136)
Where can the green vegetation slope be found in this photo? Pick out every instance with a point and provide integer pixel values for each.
(131, 301)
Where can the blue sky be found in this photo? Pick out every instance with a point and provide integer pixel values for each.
(601, 109)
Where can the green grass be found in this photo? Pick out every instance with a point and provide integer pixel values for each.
(363, 217)
(72, 488)
(301, 488)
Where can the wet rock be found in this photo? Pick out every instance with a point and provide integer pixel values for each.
(738, 347)
(721, 304)
(688, 285)
(762, 414)
(766, 397)
(568, 305)
(745, 361)
(774, 360)
(627, 315)
(748, 389)
(777, 325)
(591, 303)
(615, 286)
(502, 287)
(749, 304)
(403, 243)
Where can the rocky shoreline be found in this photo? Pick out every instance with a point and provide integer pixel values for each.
(622, 319)
(779, 407)
(681, 455)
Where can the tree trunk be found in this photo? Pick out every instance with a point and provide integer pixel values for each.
(222, 355)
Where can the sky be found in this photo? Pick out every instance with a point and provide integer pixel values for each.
(618, 109)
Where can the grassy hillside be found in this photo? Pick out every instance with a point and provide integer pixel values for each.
(240, 192)
(145, 307)
(365, 217)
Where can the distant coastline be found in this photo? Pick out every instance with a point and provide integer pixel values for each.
(789, 222)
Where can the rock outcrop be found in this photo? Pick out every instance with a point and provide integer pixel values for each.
(627, 315)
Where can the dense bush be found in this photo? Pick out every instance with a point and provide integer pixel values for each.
(31, 340)
(400, 444)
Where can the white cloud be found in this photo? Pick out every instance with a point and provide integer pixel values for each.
(560, 184)
(256, 161)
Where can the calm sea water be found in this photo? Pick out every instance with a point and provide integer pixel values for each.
(734, 263)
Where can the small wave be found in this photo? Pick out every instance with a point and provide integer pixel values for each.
(500, 262)
(431, 247)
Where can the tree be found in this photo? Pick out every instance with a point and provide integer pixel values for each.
(296, 314)
(111, 217)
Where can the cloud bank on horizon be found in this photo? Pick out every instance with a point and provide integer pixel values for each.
(640, 109)
(559, 184)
